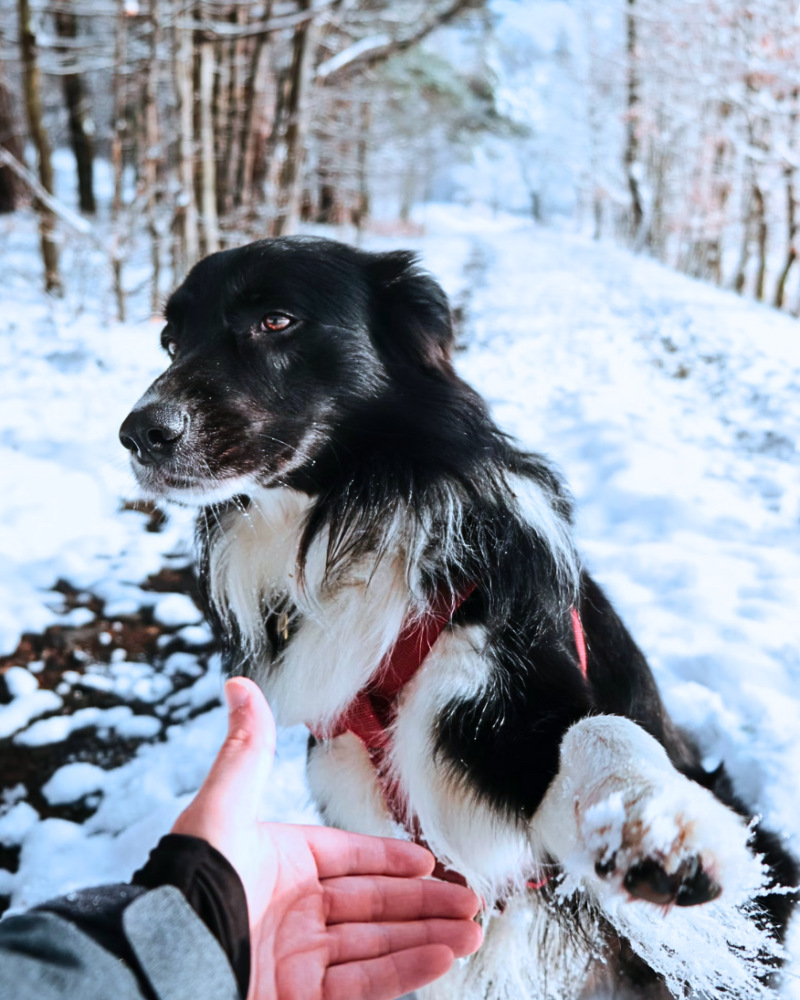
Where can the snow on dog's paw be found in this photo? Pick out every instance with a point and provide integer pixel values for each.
(670, 843)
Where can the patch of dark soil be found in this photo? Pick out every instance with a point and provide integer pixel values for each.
(34, 766)
(62, 648)
(156, 517)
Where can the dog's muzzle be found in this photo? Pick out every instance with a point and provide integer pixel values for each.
(151, 434)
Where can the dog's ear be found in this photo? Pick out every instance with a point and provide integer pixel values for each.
(411, 315)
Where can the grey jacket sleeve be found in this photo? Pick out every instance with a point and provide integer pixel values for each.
(44, 956)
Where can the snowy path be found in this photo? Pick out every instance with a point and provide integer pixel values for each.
(673, 409)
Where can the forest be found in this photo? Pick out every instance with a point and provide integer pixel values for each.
(669, 126)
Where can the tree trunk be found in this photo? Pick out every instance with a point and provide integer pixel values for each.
(152, 153)
(791, 236)
(597, 215)
(362, 153)
(265, 168)
(10, 139)
(33, 108)
(291, 180)
(408, 195)
(118, 84)
(120, 58)
(207, 152)
(186, 207)
(244, 173)
(234, 98)
(761, 239)
(740, 277)
(632, 164)
(789, 172)
(80, 126)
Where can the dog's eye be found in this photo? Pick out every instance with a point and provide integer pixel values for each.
(172, 347)
(275, 323)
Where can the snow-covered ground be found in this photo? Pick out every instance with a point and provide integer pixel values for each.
(673, 409)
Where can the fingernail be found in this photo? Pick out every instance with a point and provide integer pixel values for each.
(236, 695)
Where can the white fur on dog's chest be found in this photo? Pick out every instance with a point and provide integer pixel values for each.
(343, 627)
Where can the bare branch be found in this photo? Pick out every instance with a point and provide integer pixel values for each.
(363, 56)
(57, 207)
(211, 30)
(354, 52)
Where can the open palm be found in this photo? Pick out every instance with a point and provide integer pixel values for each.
(333, 915)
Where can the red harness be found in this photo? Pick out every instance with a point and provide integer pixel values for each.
(372, 712)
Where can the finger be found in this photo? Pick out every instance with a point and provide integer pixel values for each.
(360, 942)
(388, 977)
(338, 852)
(243, 764)
(360, 899)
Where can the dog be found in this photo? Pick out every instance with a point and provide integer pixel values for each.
(399, 576)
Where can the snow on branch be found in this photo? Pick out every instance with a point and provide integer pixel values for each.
(353, 53)
(57, 207)
(220, 29)
(375, 49)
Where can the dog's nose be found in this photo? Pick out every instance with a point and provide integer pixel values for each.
(152, 432)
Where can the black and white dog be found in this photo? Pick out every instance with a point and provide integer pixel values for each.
(350, 484)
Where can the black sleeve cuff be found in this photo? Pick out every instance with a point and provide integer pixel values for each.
(212, 888)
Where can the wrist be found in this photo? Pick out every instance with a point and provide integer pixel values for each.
(213, 889)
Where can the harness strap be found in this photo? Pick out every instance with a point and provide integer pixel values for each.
(372, 712)
(580, 642)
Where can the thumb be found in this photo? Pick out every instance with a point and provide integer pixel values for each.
(242, 767)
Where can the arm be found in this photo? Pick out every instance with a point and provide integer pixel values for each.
(72, 947)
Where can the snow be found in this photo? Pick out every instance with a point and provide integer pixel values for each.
(182, 663)
(119, 719)
(76, 617)
(207, 689)
(64, 473)
(16, 823)
(19, 712)
(176, 609)
(673, 409)
(20, 682)
(72, 782)
(191, 635)
(123, 678)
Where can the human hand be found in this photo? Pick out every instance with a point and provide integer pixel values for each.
(333, 915)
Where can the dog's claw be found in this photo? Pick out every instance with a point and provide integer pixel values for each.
(690, 885)
(606, 867)
(696, 886)
(648, 880)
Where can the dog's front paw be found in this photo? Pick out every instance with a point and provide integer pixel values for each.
(673, 844)
(688, 885)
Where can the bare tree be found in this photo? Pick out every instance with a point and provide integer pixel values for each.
(244, 172)
(10, 140)
(298, 108)
(76, 99)
(186, 206)
(38, 134)
(152, 151)
(632, 157)
(207, 149)
(789, 172)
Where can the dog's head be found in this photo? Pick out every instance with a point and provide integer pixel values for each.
(281, 351)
